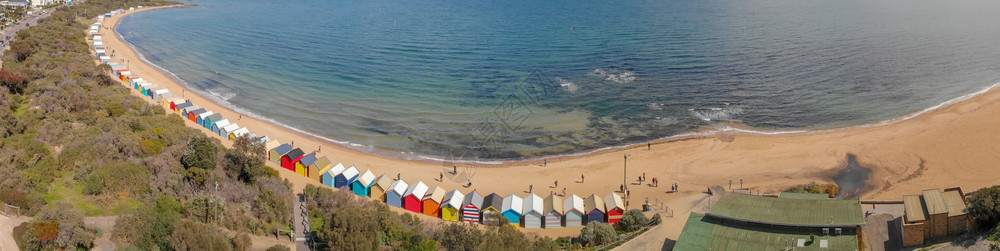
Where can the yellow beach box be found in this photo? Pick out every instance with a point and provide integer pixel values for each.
(302, 167)
(451, 208)
(319, 167)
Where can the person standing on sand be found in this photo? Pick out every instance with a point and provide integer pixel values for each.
(530, 188)
(557, 184)
(454, 170)
(442, 176)
(649, 146)
(581, 178)
(643, 176)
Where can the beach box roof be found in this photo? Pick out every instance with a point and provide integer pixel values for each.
(453, 199)
(196, 112)
(613, 201)
(346, 178)
(321, 166)
(238, 133)
(492, 202)
(473, 199)
(398, 187)
(184, 105)
(282, 149)
(295, 154)
(533, 204)
(202, 116)
(417, 190)
(435, 194)
(383, 182)
(230, 128)
(552, 204)
(513, 203)
(218, 125)
(309, 159)
(574, 203)
(366, 178)
(214, 118)
(594, 202)
(336, 170)
(350, 172)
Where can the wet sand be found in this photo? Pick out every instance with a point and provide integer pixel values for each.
(954, 145)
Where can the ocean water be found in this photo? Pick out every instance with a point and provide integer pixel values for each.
(520, 79)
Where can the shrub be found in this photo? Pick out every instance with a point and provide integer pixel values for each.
(200, 153)
(151, 146)
(58, 227)
(13, 81)
(596, 233)
(242, 242)
(119, 179)
(656, 220)
(279, 247)
(633, 220)
(190, 235)
(151, 227)
(984, 206)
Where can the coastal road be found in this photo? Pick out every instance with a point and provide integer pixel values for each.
(12, 30)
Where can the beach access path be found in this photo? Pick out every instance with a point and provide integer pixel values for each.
(954, 145)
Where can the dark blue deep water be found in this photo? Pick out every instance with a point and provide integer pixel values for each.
(517, 79)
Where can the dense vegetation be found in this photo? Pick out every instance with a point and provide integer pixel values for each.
(984, 207)
(75, 143)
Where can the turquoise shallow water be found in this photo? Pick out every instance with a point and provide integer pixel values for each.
(517, 79)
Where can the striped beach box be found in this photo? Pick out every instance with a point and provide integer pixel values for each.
(470, 206)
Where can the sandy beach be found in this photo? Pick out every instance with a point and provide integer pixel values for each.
(954, 145)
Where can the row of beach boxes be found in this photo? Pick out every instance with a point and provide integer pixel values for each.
(95, 28)
(529, 212)
(201, 116)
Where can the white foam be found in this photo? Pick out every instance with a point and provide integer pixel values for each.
(615, 75)
(570, 86)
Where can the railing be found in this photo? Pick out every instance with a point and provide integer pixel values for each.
(662, 207)
(7, 208)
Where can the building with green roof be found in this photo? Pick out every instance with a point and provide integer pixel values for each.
(794, 221)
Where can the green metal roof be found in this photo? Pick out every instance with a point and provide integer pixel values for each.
(789, 212)
(707, 233)
(808, 196)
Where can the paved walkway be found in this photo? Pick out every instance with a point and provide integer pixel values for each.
(7, 225)
(301, 222)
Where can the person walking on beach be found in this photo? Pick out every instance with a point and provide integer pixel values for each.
(398, 176)
(241, 118)
(530, 188)
(557, 184)
(454, 170)
(581, 178)
(643, 176)
(470, 183)
(649, 146)
(442, 176)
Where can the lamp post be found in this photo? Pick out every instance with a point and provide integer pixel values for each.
(625, 176)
